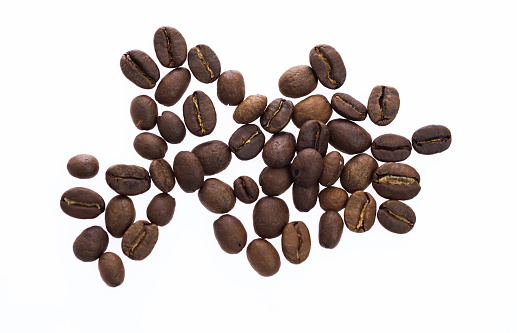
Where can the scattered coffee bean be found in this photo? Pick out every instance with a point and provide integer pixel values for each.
(82, 203)
(140, 68)
(277, 115)
(120, 215)
(330, 229)
(204, 63)
(279, 150)
(313, 107)
(431, 139)
(150, 146)
(305, 198)
(348, 107)
(90, 244)
(172, 87)
(144, 112)
(199, 114)
(111, 269)
(348, 137)
(328, 66)
(162, 175)
(296, 242)
(230, 88)
(230, 234)
(263, 257)
(247, 142)
(246, 189)
(391, 148)
(383, 105)
(161, 209)
(297, 81)
(188, 171)
(313, 134)
(83, 166)
(139, 240)
(215, 156)
(216, 196)
(171, 127)
(307, 167)
(270, 215)
(358, 172)
(250, 109)
(396, 216)
(397, 181)
(128, 179)
(333, 164)
(332, 198)
(170, 47)
(360, 212)
(275, 181)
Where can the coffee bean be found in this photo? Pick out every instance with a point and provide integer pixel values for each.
(161, 209)
(170, 47)
(140, 69)
(90, 244)
(348, 137)
(83, 166)
(150, 146)
(111, 269)
(313, 107)
(216, 196)
(275, 181)
(215, 156)
(270, 215)
(431, 139)
(247, 142)
(296, 242)
(358, 172)
(172, 87)
(162, 175)
(383, 105)
(171, 127)
(277, 115)
(188, 171)
(82, 203)
(306, 167)
(391, 148)
(397, 181)
(305, 198)
(128, 179)
(313, 134)
(199, 114)
(348, 107)
(250, 109)
(396, 216)
(333, 164)
(360, 212)
(245, 189)
(330, 229)
(328, 66)
(297, 81)
(144, 112)
(263, 257)
(139, 240)
(120, 215)
(204, 63)
(230, 234)
(332, 198)
(230, 88)
(279, 150)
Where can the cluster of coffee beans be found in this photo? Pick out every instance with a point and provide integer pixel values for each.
(301, 161)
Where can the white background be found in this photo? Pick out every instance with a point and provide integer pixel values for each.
(453, 63)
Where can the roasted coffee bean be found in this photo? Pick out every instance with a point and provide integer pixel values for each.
(348, 137)
(171, 127)
(358, 172)
(246, 189)
(230, 234)
(247, 142)
(296, 242)
(330, 229)
(82, 203)
(279, 150)
(250, 109)
(360, 212)
(270, 215)
(305, 198)
(391, 148)
(172, 87)
(348, 107)
(333, 164)
(396, 216)
(397, 181)
(230, 88)
(277, 115)
(306, 167)
(144, 112)
(150, 146)
(263, 257)
(199, 114)
(275, 181)
(383, 105)
(328, 66)
(188, 171)
(120, 215)
(111, 269)
(431, 139)
(332, 198)
(139, 240)
(128, 179)
(313, 134)
(161, 209)
(216, 196)
(83, 166)
(162, 175)
(297, 81)
(139, 68)
(91, 243)
(204, 63)
(215, 156)
(170, 47)
(313, 107)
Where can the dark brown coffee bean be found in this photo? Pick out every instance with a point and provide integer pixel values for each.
(360, 212)
(396, 216)
(431, 139)
(199, 114)
(358, 172)
(332, 198)
(150, 146)
(313, 134)
(216, 196)
(383, 105)
(277, 115)
(246, 189)
(279, 150)
(397, 181)
(297, 81)
(313, 107)
(215, 156)
(330, 229)
(204, 63)
(144, 112)
(333, 164)
(82, 203)
(128, 179)
(296, 242)
(111, 269)
(348, 107)
(270, 215)
(83, 166)
(328, 66)
(188, 171)
(348, 137)
(170, 47)
(120, 215)
(161, 209)
(247, 142)
(275, 181)
(230, 234)
(306, 167)
(391, 148)
(162, 175)
(171, 127)
(250, 109)
(230, 88)
(91, 243)
(140, 69)
(305, 198)
(139, 240)
(172, 87)
(263, 257)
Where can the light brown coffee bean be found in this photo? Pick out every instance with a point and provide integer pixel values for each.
(332, 198)
(297, 81)
(315, 107)
(250, 109)
(263, 257)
